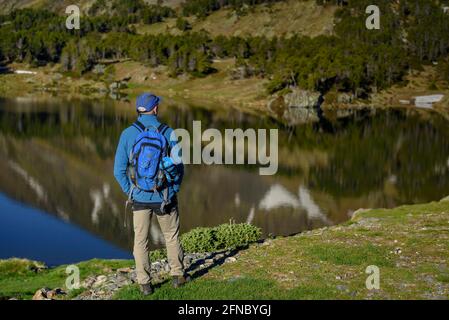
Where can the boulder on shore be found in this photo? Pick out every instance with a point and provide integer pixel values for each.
(48, 294)
(297, 106)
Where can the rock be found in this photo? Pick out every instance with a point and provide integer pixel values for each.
(117, 85)
(41, 294)
(187, 261)
(52, 294)
(125, 270)
(100, 280)
(341, 287)
(219, 256)
(88, 282)
(445, 199)
(297, 106)
(230, 260)
(156, 266)
(267, 242)
(302, 99)
(99, 69)
(345, 98)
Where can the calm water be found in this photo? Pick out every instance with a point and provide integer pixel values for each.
(59, 202)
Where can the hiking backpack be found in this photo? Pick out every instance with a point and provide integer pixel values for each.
(145, 160)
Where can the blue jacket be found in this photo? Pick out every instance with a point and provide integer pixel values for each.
(124, 147)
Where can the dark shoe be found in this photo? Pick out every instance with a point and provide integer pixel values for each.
(179, 281)
(146, 289)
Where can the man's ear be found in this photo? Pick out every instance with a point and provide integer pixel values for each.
(155, 109)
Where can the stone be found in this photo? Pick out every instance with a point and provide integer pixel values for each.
(230, 260)
(296, 107)
(52, 294)
(341, 287)
(187, 260)
(37, 267)
(88, 282)
(99, 69)
(219, 256)
(345, 98)
(100, 280)
(41, 294)
(117, 85)
(125, 270)
(267, 242)
(302, 98)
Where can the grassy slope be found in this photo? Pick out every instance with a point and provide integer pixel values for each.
(425, 82)
(20, 279)
(216, 89)
(330, 263)
(54, 5)
(289, 17)
(409, 245)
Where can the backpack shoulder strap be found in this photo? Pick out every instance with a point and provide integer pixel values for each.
(139, 126)
(162, 128)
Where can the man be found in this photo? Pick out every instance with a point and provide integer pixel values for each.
(147, 203)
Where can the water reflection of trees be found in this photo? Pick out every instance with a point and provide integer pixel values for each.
(408, 152)
(67, 149)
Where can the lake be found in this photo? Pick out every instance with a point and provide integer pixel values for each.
(59, 202)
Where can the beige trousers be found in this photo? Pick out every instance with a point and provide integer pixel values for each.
(169, 224)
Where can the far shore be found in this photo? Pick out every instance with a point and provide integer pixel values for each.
(216, 91)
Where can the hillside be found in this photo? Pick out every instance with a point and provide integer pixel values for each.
(53, 5)
(275, 46)
(283, 18)
(60, 5)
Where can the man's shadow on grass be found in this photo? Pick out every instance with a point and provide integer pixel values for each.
(199, 272)
(217, 262)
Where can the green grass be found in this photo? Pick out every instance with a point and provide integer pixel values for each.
(352, 256)
(238, 288)
(328, 263)
(18, 280)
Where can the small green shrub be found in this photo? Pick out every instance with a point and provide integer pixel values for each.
(199, 240)
(231, 236)
(225, 236)
(158, 254)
